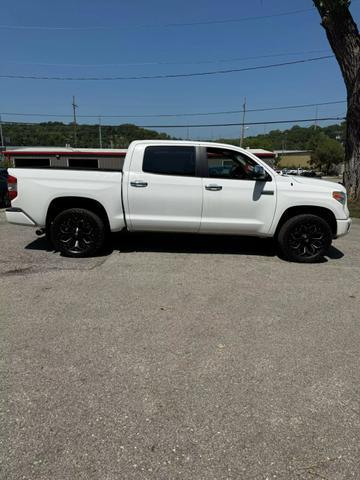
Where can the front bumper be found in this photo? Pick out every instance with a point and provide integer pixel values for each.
(19, 217)
(343, 227)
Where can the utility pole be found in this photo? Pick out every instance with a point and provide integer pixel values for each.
(242, 134)
(1, 135)
(316, 117)
(75, 125)
(100, 135)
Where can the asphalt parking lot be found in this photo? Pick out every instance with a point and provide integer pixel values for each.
(175, 357)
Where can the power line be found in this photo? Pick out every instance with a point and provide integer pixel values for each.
(195, 62)
(237, 124)
(242, 19)
(288, 107)
(163, 76)
(164, 115)
(164, 25)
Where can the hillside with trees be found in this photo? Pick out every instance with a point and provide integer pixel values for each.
(60, 134)
(56, 134)
(295, 138)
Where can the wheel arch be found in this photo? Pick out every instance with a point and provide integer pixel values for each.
(60, 204)
(321, 212)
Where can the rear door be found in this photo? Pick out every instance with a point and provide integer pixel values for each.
(164, 190)
(234, 202)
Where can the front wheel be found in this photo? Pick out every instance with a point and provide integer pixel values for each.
(77, 232)
(305, 238)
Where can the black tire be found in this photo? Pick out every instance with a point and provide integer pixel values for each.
(304, 238)
(77, 232)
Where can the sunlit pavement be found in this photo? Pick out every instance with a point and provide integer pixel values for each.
(179, 357)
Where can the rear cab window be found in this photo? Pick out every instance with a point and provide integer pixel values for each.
(170, 160)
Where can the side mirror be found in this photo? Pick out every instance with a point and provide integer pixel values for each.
(259, 173)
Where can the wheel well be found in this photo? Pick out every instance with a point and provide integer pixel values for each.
(322, 212)
(63, 203)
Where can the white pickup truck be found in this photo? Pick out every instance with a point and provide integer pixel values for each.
(174, 186)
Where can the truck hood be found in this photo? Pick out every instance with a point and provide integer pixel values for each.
(316, 182)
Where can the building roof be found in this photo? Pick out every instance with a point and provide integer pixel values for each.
(262, 152)
(290, 152)
(65, 151)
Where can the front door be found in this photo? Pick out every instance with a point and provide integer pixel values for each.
(164, 193)
(234, 202)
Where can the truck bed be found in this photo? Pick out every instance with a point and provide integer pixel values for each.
(47, 184)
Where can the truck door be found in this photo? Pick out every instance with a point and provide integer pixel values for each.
(164, 192)
(234, 201)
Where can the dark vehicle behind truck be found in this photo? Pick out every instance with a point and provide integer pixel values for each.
(4, 197)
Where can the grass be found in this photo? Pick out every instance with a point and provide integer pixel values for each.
(354, 208)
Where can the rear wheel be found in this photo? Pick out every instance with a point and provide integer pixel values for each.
(305, 238)
(77, 232)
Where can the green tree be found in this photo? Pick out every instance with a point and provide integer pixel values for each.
(327, 154)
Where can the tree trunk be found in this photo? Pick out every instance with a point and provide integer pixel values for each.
(344, 39)
(352, 146)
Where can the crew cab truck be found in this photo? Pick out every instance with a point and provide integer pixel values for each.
(173, 186)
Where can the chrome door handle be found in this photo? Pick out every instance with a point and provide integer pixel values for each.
(138, 183)
(213, 187)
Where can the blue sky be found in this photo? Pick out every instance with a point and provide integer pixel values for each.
(132, 38)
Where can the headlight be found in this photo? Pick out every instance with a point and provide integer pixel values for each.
(340, 197)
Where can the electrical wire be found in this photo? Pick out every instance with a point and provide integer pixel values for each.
(195, 62)
(273, 122)
(163, 76)
(165, 25)
(245, 124)
(164, 115)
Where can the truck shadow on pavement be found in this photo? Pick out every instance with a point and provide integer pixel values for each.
(186, 243)
(193, 244)
(203, 244)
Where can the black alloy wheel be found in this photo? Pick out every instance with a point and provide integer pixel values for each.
(78, 232)
(305, 238)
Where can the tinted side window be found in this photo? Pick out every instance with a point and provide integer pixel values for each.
(229, 164)
(165, 160)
